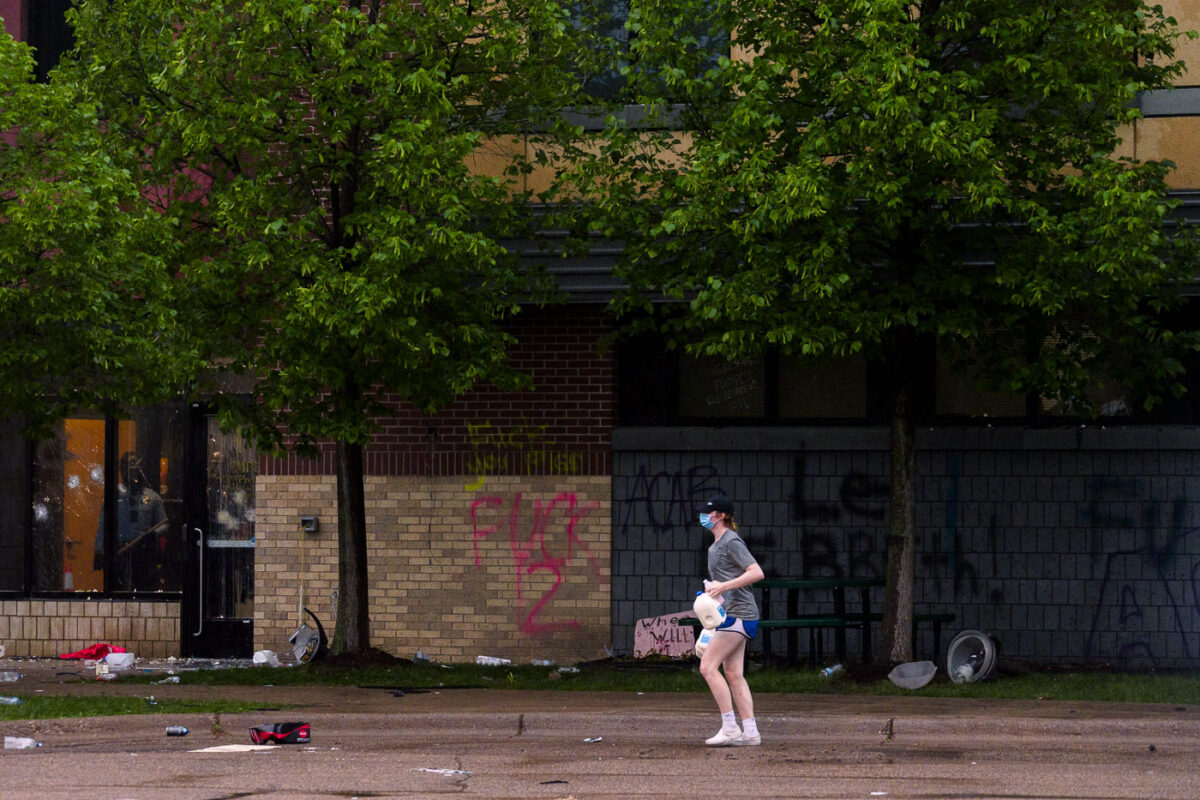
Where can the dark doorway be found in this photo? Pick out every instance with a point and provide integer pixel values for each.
(218, 592)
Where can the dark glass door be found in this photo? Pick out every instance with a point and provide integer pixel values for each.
(218, 598)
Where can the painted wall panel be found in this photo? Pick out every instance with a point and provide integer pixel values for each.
(1068, 550)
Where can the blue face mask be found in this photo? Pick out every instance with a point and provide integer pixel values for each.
(707, 522)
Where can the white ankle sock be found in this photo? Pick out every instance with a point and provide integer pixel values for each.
(750, 727)
(729, 721)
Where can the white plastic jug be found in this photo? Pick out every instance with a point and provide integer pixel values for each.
(710, 613)
(703, 640)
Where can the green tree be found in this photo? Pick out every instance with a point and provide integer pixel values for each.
(882, 178)
(324, 168)
(86, 317)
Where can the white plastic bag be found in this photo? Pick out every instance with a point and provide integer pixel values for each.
(266, 658)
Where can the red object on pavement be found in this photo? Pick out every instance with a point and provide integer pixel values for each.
(281, 733)
(96, 651)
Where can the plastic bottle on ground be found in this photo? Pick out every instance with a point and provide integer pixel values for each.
(491, 661)
(832, 672)
(10, 701)
(966, 671)
(20, 743)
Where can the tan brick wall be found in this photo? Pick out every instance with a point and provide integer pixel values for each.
(517, 567)
(48, 628)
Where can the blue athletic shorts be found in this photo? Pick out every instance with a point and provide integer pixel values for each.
(746, 627)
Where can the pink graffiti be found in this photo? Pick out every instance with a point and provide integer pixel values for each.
(529, 552)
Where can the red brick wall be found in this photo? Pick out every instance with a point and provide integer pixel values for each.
(561, 427)
(12, 12)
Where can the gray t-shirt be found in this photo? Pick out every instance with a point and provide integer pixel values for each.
(728, 558)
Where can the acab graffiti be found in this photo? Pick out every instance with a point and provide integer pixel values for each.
(542, 537)
(665, 499)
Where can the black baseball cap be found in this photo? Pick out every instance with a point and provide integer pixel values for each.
(718, 502)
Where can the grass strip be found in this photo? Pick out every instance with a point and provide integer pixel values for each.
(59, 706)
(683, 677)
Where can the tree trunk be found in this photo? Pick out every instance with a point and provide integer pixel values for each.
(902, 515)
(352, 633)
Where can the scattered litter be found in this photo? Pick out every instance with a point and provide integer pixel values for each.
(177, 730)
(266, 657)
(492, 661)
(308, 644)
(593, 739)
(9, 677)
(569, 670)
(10, 701)
(20, 743)
(442, 771)
(913, 674)
(119, 661)
(542, 662)
(548, 783)
(832, 672)
(168, 679)
(971, 657)
(281, 733)
(420, 658)
(235, 748)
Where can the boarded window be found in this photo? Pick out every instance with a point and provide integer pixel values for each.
(49, 34)
(835, 389)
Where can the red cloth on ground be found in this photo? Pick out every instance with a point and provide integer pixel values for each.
(96, 651)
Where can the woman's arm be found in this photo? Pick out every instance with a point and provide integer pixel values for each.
(753, 574)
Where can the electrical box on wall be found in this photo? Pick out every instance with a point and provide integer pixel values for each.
(309, 524)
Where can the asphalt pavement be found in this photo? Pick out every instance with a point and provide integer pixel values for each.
(376, 743)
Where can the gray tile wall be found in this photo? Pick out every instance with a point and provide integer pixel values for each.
(1067, 546)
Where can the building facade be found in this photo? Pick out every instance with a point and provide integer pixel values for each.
(545, 524)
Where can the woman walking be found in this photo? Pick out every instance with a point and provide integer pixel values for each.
(731, 570)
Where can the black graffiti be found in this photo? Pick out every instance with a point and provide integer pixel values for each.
(1119, 504)
(840, 551)
(954, 564)
(668, 498)
(859, 495)
(761, 542)
(861, 558)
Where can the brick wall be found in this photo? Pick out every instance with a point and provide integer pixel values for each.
(48, 628)
(561, 427)
(13, 15)
(1069, 546)
(516, 567)
(488, 523)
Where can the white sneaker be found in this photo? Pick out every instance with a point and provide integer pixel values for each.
(746, 741)
(724, 738)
